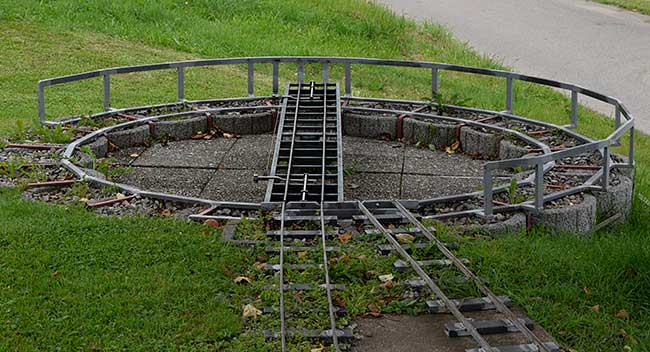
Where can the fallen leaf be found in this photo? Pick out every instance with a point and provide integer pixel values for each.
(385, 278)
(586, 290)
(259, 265)
(374, 310)
(55, 274)
(230, 135)
(120, 196)
(387, 284)
(596, 308)
(251, 312)
(405, 238)
(340, 302)
(213, 223)
(166, 213)
(84, 200)
(622, 314)
(303, 254)
(346, 237)
(198, 135)
(452, 148)
(318, 349)
(134, 155)
(242, 280)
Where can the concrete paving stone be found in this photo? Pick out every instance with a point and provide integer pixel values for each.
(235, 186)
(130, 137)
(371, 186)
(185, 182)
(250, 152)
(364, 154)
(181, 129)
(425, 161)
(423, 187)
(188, 153)
(127, 155)
(425, 333)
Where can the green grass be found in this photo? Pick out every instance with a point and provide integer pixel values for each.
(158, 284)
(642, 6)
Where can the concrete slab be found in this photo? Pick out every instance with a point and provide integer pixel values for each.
(234, 185)
(425, 161)
(362, 154)
(425, 333)
(185, 182)
(250, 152)
(372, 186)
(428, 186)
(187, 153)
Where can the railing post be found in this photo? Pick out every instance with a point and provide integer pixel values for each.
(574, 109)
(301, 72)
(348, 80)
(509, 94)
(434, 83)
(326, 72)
(276, 76)
(617, 121)
(107, 91)
(251, 79)
(605, 179)
(180, 84)
(631, 151)
(539, 186)
(487, 191)
(41, 102)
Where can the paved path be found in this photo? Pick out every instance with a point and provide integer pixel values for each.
(596, 46)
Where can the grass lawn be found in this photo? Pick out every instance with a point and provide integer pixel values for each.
(642, 6)
(71, 280)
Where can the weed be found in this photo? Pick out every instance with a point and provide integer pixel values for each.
(351, 170)
(12, 167)
(20, 132)
(79, 190)
(55, 135)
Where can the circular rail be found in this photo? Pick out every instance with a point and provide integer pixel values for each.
(624, 121)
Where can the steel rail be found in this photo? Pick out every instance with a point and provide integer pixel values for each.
(469, 274)
(284, 201)
(427, 279)
(335, 339)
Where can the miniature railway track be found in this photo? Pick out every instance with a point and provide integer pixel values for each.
(307, 159)
(307, 144)
(384, 213)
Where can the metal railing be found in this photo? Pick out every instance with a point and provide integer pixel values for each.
(539, 162)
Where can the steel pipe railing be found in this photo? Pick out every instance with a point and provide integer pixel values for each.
(624, 122)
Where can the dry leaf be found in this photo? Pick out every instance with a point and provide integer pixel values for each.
(319, 349)
(259, 265)
(120, 196)
(405, 238)
(198, 135)
(387, 284)
(452, 148)
(596, 308)
(586, 290)
(84, 200)
(213, 223)
(242, 280)
(134, 155)
(303, 254)
(623, 314)
(55, 274)
(340, 302)
(251, 312)
(374, 310)
(385, 278)
(166, 213)
(230, 135)
(346, 237)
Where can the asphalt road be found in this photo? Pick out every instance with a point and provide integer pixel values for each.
(592, 45)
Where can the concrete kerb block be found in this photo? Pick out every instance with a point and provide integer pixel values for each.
(479, 143)
(261, 122)
(130, 138)
(509, 150)
(242, 124)
(99, 147)
(617, 199)
(224, 122)
(376, 126)
(181, 129)
(578, 219)
(514, 225)
(351, 124)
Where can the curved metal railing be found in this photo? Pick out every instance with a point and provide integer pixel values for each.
(624, 121)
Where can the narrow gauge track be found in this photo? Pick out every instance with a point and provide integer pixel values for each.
(306, 133)
(381, 214)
